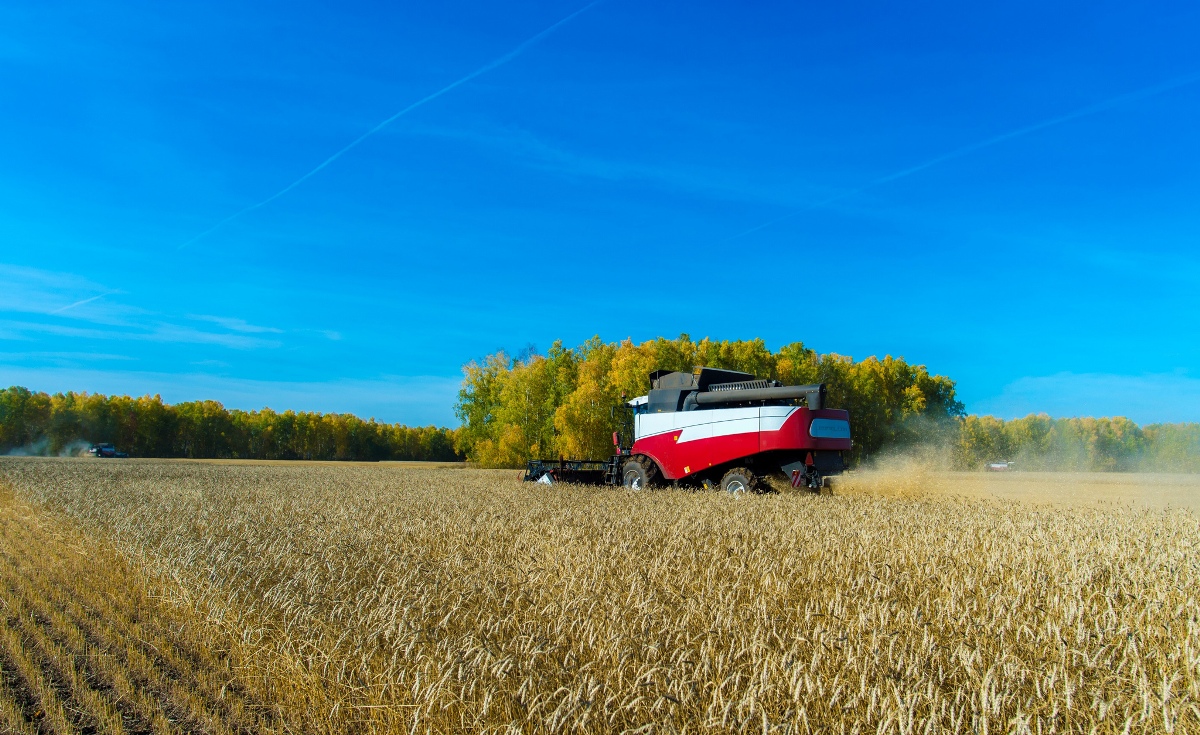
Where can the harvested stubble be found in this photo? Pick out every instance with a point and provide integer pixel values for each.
(85, 647)
(376, 599)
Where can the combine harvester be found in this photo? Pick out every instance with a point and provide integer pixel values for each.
(718, 427)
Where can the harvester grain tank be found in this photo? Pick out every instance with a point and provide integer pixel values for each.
(719, 427)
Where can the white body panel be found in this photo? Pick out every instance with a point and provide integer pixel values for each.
(707, 423)
(771, 418)
(649, 424)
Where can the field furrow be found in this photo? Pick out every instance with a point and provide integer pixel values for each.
(134, 709)
(87, 649)
(20, 710)
(159, 696)
(50, 712)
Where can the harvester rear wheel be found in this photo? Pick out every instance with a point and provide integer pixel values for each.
(639, 473)
(740, 482)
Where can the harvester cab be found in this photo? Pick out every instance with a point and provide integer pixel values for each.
(723, 428)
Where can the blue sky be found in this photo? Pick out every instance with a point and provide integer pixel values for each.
(1006, 194)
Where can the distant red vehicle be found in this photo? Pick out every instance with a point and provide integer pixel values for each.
(105, 450)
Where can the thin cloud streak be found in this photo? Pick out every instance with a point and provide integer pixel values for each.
(1108, 104)
(40, 292)
(537, 154)
(68, 307)
(235, 325)
(78, 356)
(495, 63)
(160, 332)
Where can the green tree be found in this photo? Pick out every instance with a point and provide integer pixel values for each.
(25, 417)
(586, 419)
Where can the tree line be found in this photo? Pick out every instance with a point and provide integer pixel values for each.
(65, 423)
(561, 404)
(1038, 442)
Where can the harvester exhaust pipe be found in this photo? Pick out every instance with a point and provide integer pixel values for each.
(814, 395)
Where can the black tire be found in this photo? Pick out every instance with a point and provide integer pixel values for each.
(740, 481)
(639, 473)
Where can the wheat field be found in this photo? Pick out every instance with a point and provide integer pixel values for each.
(160, 596)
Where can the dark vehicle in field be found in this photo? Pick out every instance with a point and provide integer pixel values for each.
(105, 450)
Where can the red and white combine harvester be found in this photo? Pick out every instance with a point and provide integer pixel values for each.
(718, 427)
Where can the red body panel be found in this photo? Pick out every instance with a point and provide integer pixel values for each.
(682, 458)
(679, 460)
(794, 433)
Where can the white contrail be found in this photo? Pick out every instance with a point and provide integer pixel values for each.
(79, 303)
(500, 61)
(994, 140)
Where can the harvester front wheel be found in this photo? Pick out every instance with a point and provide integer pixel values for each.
(740, 482)
(639, 473)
